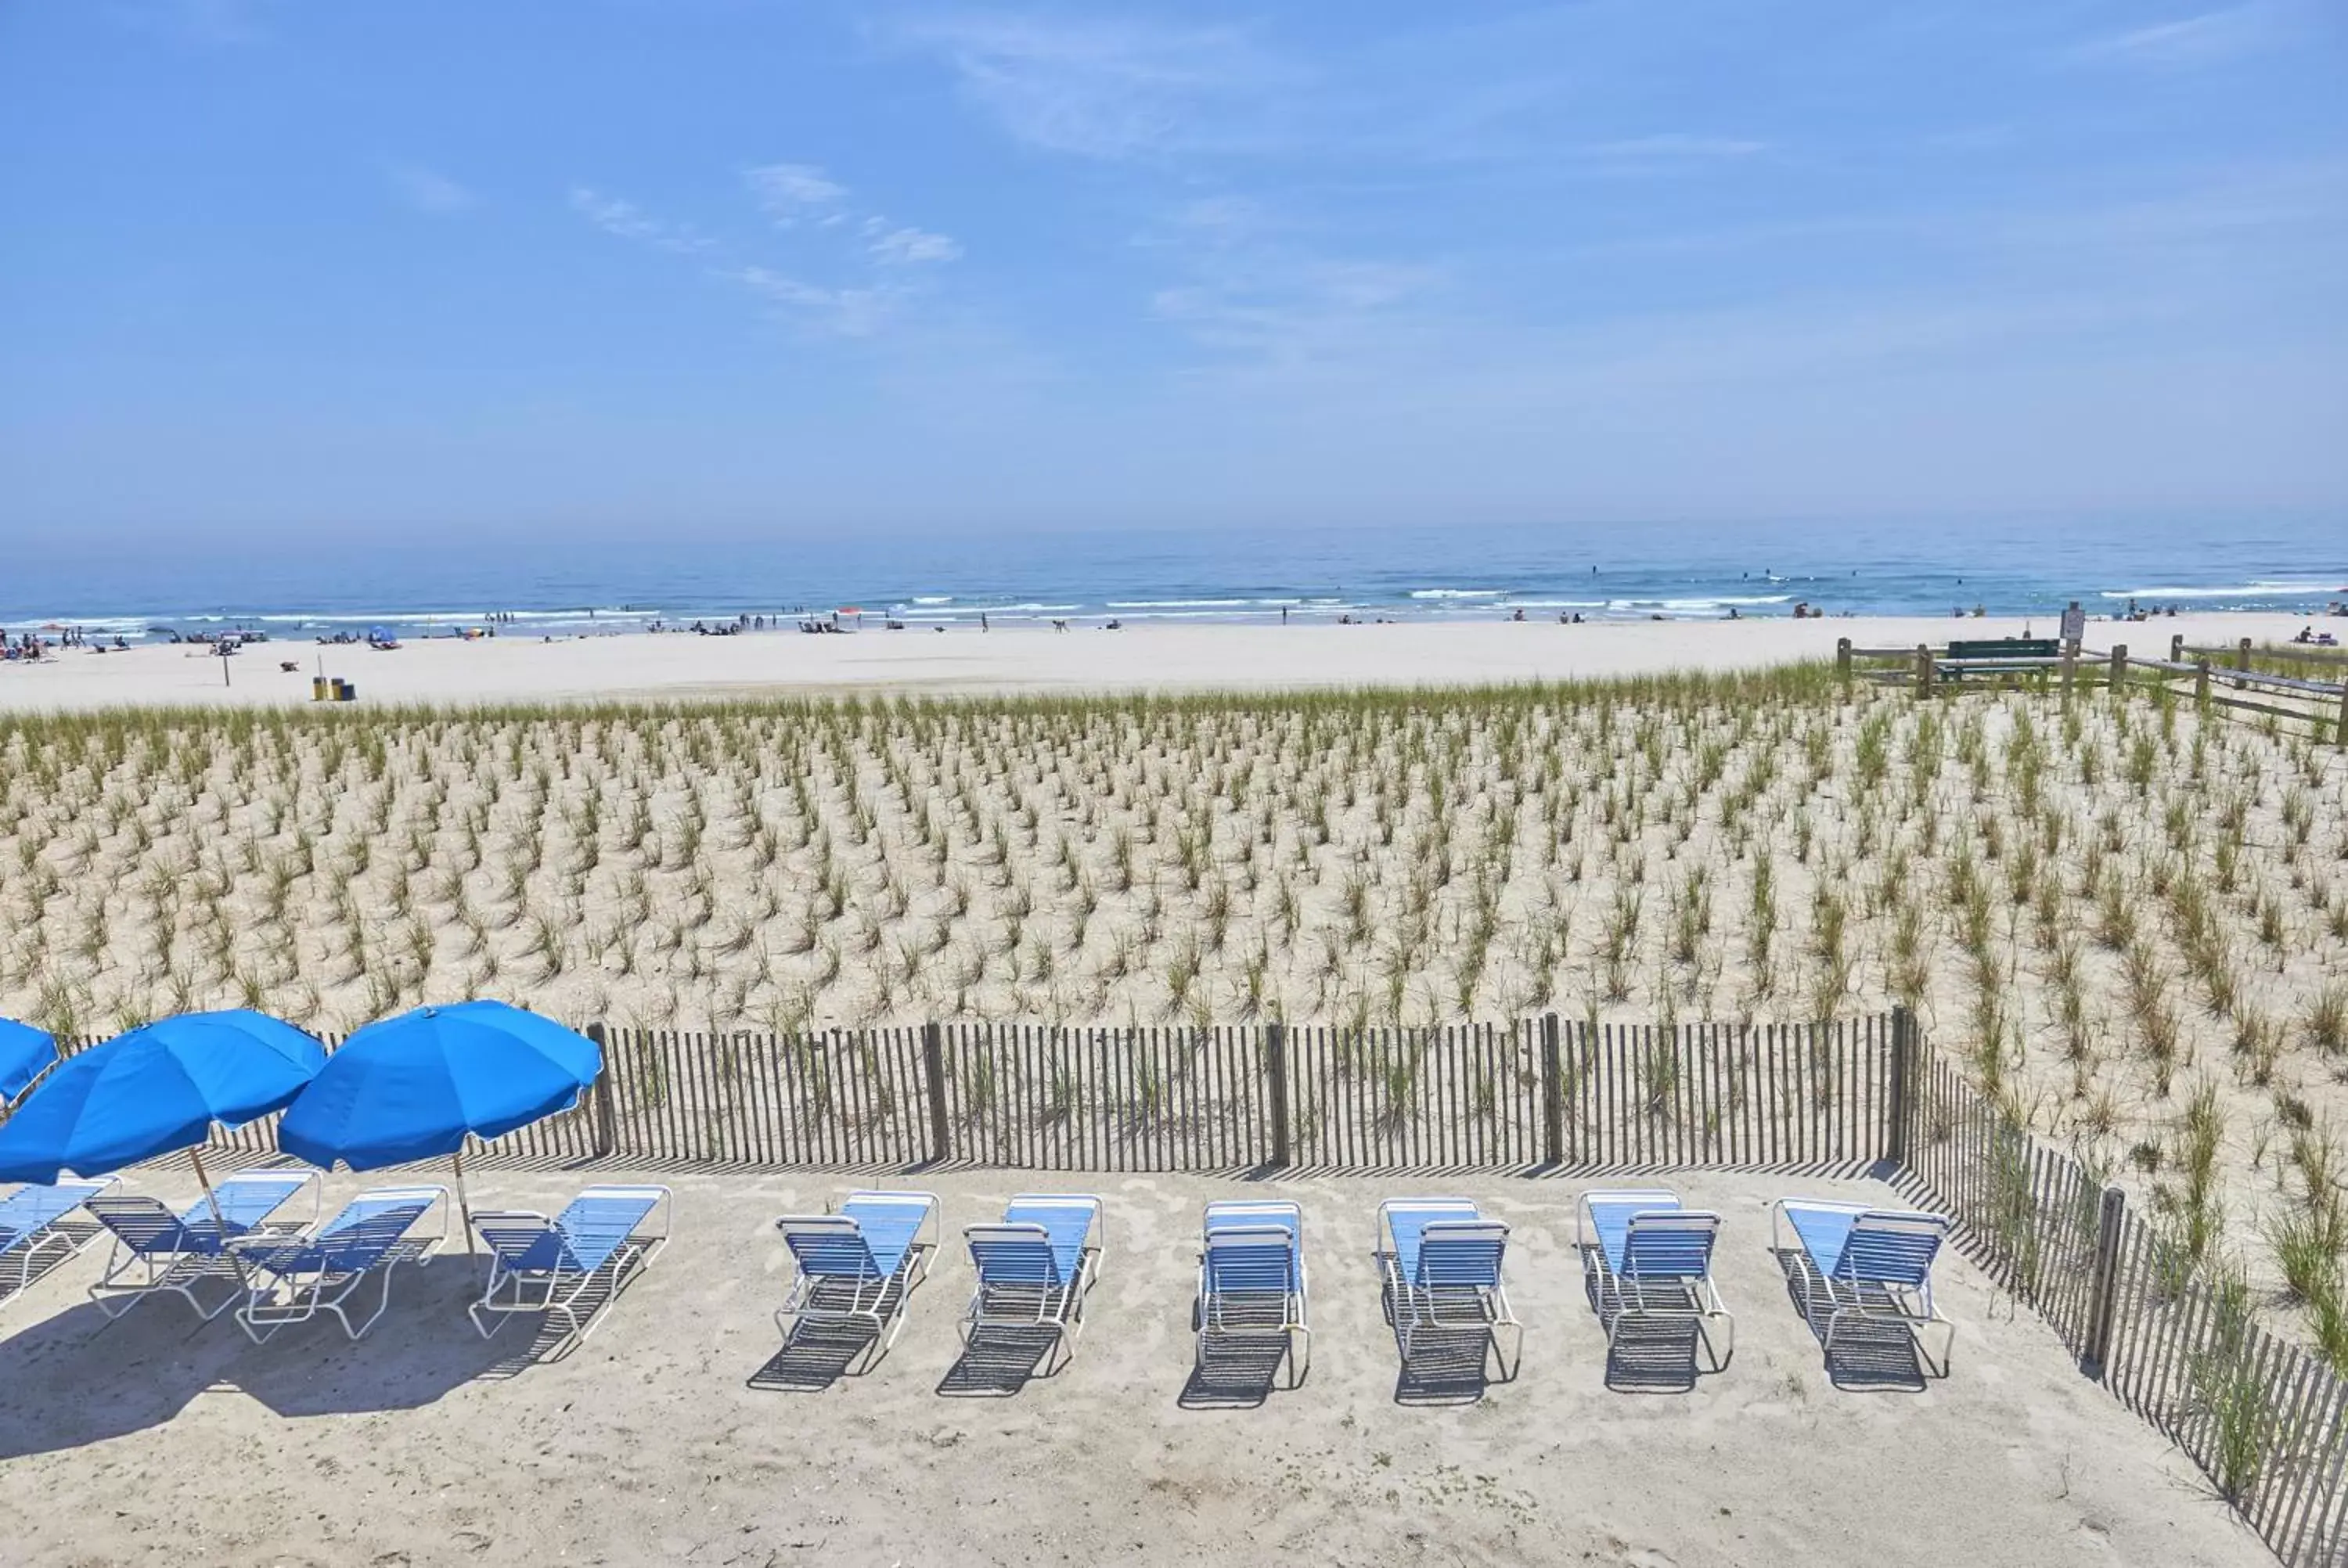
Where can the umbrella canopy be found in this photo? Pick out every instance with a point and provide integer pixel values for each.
(25, 1052)
(412, 1087)
(156, 1089)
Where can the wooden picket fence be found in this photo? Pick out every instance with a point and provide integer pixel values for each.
(2265, 1418)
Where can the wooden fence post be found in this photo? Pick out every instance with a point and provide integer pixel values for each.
(1842, 659)
(2119, 666)
(2070, 666)
(1903, 1066)
(2103, 1302)
(1553, 1086)
(2242, 654)
(2177, 648)
(599, 1098)
(1275, 1067)
(2201, 682)
(933, 1068)
(1924, 671)
(2340, 724)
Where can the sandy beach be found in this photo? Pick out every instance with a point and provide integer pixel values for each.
(1019, 660)
(684, 1432)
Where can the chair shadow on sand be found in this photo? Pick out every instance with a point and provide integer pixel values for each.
(1239, 1371)
(1666, 1349)
(1869, 1355)
(998, 1362)
(74, 1378)
(817, 1355)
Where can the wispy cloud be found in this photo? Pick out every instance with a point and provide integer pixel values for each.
(838, 312)
(907, 247)
(2207, 38)
(629, 221)
(793, 192)
(428, 190)
(1099, 88)
(870, 255)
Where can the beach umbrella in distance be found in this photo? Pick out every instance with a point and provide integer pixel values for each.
(156, 1089)
(416, 1086)
(25, 1053)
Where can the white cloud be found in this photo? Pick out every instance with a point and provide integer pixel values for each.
(1103, 89)
(2208, 38)
(428, 190)
(907, 247)
(844, 311)
(790, 192)
(629, 221)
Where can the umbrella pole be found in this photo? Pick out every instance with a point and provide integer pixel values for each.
(211, 1199)
(464, 1204)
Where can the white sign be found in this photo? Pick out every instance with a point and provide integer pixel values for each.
(2074, 623)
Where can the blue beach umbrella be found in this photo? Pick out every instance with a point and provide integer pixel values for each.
(25, 1053)
(414, 1086)
(156, 1089)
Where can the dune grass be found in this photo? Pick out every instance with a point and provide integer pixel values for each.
(2128, 917)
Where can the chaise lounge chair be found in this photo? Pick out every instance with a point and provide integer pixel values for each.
(1251, 1281)
(548, 1264)
(1037, 1266)
(155, 1250)
(292, 1279)
(858, 1264)
(31, 1224)
(1853, 1261)
(1441, 1262)
(1644, 1255)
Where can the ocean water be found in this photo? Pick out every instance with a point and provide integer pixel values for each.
(1627, 571)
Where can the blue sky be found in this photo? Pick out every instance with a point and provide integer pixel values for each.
(712, 266)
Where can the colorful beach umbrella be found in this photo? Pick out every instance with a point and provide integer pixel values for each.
(416, 1086)
(154, 1091)
(25, 1053)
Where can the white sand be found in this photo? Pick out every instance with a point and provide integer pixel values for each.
(1024, 659)
(159, 1439)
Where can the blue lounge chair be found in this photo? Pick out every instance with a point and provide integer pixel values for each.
(1035, 1267)
(1441, 1260)
(1855, 1262)
(31, 1224)
(292, 1279)
(1644, 1256)
(604, 1237)
(1252, 1279)
(155, 1250)
(858, 1264)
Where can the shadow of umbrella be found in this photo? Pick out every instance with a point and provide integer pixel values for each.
(77, 1378)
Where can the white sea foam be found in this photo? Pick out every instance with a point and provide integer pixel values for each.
(2236, 591)
(1183, 603)
(1446, 593)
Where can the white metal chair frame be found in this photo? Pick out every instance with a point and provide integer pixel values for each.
(1912, 1304)
(266, 1310)
(180, 1272)
(1060, 1307)
(630, 1258)
(1621, 1295)
(1420, 1308)
(32, 1244)
(1282, 1228)
(802, 1303)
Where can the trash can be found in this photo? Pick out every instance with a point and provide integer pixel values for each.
(350, 692)
(319, 689)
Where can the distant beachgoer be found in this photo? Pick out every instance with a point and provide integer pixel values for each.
(982, 620)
